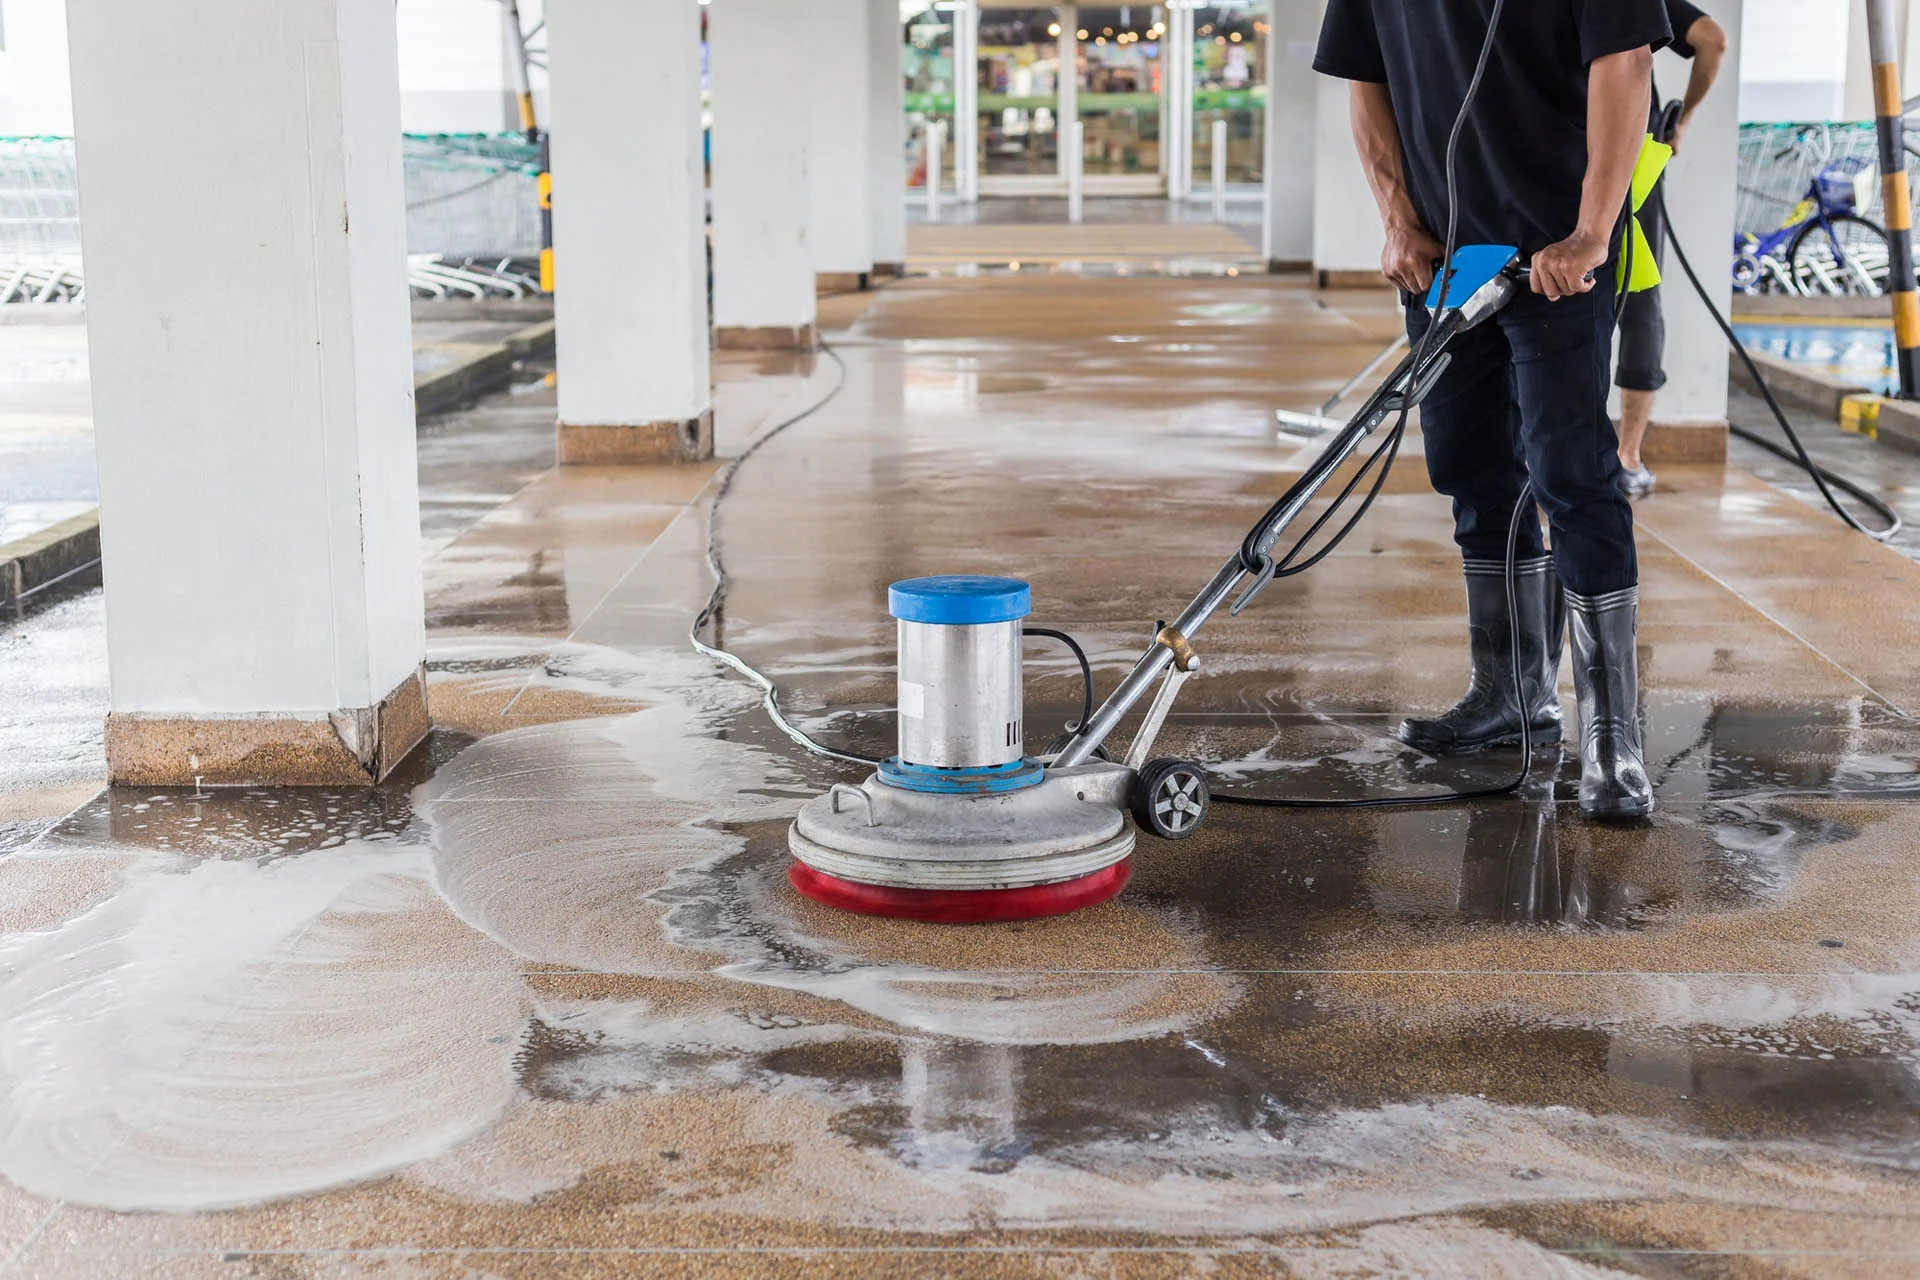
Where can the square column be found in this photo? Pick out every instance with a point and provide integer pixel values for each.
(1292, 97)
(629, 232)
(840, 206)
(887, 139)
(763, 290)
(1690, 413)
(244, 229)
(1348, 236)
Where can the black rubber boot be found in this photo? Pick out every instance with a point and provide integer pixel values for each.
(1606, 679)
(1490, 713)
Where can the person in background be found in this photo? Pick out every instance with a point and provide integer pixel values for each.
(1643, 329)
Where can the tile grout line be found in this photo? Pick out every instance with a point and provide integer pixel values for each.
(1754, 605)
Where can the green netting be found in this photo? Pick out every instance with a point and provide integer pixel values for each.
(469, 195)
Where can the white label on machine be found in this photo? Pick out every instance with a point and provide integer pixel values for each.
(913, 700)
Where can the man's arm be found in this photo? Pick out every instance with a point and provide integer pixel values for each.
(1618, 94)
(1411, 249)
(1709, 42)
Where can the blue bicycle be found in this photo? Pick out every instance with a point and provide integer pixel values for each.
(1825, 247)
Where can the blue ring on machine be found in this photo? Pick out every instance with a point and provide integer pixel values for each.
(959, 600)
(972, 780)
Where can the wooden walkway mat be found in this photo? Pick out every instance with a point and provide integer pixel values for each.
(1063, 242)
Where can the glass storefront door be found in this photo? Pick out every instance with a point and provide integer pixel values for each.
(1119, 87)
(927, 63)
(1230, 83)
(1019, 108)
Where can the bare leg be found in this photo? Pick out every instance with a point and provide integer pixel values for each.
(1636, 407)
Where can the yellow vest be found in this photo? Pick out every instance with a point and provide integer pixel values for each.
(1637, 271)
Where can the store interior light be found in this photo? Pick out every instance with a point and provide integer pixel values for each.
(1082, 33)
(1103, 40)
(1219, 39)
(1106, 31)
(1053, 28)
(1235, 37)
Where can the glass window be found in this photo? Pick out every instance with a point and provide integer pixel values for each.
(1019, 73)
(928, 66)
(1230, 84)
(1120, 87)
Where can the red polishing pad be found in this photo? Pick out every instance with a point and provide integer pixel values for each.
(962, 906)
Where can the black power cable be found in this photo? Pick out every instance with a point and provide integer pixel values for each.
(1824, 479)
(1086, 669)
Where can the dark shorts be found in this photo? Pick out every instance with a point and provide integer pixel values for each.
(1643, 329)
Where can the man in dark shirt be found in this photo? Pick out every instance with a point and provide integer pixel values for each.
(1643, 329)
(1543, 163)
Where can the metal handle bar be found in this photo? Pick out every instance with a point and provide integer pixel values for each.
(1405, 386)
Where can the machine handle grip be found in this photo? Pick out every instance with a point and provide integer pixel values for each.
(1524, 274)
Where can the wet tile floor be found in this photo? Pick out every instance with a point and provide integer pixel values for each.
(544, 1003)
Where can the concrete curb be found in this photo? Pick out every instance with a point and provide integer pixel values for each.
(41, 559)
(477, 367)
(1897, 423)
(481, 367)
(1799, 386)
(43, 313)
(528, 309)
(1767, 306)
(534, 340)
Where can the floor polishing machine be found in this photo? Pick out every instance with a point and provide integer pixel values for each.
(962, 824)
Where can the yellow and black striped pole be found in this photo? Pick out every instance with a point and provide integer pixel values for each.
(523, 97)
(1889, 112)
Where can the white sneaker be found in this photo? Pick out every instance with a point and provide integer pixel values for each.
(1636, 482)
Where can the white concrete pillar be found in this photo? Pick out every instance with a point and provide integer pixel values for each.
(1690, 414)
(1856, 93)
(887, 139)
(1347, 233)
(1176, 72)
(1066, 105)
(1909, 47)
(966, 100)
(244, 229)
(1292, 97)
(840, 143)
(629, 232)
(763, 289)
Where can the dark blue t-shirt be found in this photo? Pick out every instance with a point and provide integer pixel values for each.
(1523, 153)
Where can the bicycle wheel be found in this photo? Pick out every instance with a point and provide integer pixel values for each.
(1858, 268)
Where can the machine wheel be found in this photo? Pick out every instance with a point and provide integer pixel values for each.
(1059, 744)
(1170, 798)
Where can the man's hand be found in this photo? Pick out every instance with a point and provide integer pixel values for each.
(1562, 270)
(1409, 257)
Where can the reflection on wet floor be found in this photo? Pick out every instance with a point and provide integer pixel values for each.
(548, 989)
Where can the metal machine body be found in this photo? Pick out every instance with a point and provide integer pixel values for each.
(962, 824)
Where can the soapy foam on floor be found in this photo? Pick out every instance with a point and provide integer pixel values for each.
(222, 1032)
(543, 839)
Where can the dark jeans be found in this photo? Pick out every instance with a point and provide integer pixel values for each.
(1526, 395)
